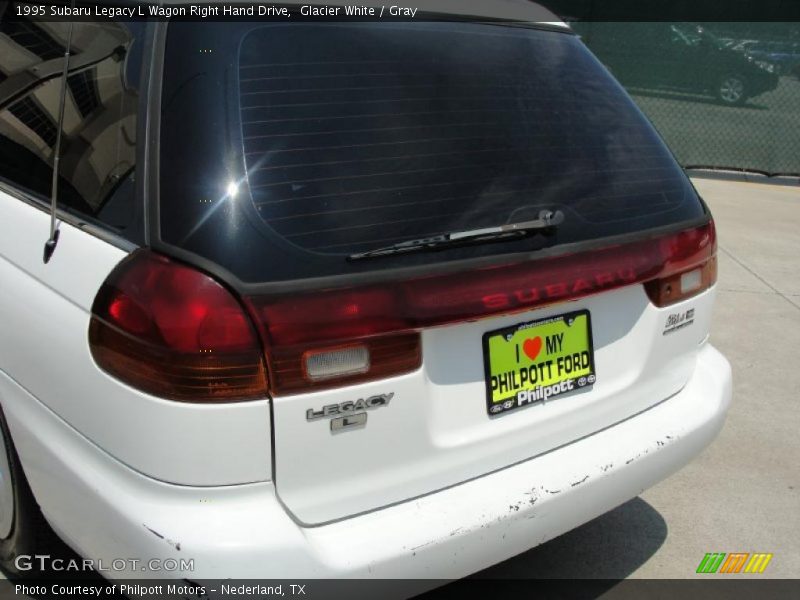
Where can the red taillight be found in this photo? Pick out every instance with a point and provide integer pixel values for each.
(385, 318)
(175, 332)
(690, 266)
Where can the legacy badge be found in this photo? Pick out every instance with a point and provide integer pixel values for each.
(351, 413)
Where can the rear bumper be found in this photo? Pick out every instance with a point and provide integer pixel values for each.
(106, 511)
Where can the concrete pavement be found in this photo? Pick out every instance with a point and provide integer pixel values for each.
(743, 493)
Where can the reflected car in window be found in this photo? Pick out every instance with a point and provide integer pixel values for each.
(678, 57)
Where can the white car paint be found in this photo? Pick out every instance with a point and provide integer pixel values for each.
(245, 532)
(435, 432)
(45, 348)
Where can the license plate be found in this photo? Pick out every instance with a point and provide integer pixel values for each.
(537, 361)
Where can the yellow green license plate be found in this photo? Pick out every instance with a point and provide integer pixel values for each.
(534, 362)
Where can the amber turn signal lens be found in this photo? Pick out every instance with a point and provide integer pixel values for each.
(672, 289)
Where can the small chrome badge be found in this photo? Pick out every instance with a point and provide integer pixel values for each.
(349, 422)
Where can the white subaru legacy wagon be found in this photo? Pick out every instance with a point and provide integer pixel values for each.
(338, 299)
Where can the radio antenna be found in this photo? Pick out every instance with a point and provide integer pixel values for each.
(50, 244)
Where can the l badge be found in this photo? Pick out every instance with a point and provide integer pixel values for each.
(349, 422)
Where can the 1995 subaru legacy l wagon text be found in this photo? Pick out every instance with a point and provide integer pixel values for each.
(339, 299)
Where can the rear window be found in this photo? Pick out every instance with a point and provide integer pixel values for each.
(285, 148)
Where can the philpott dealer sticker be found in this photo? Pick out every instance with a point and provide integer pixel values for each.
(533, 362)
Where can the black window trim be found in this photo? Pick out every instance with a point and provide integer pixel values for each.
(91, 226)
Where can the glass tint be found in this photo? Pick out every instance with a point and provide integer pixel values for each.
(340, 138)
(447, 128)
(723, 95)
(98, 144)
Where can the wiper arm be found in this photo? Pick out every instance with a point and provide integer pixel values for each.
(545, 224)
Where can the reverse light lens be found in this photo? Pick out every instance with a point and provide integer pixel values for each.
(691, 281)
(176, 333)
(339, 362)
(674, 288)
(295, 369)
(690, 266)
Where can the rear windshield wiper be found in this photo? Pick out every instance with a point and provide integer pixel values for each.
(545, 224)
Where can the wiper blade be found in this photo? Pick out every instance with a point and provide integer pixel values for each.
(546, 224)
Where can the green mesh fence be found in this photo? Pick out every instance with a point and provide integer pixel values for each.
(723, 95)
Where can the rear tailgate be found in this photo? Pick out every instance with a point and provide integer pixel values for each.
(436, 431)
(396, 376)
